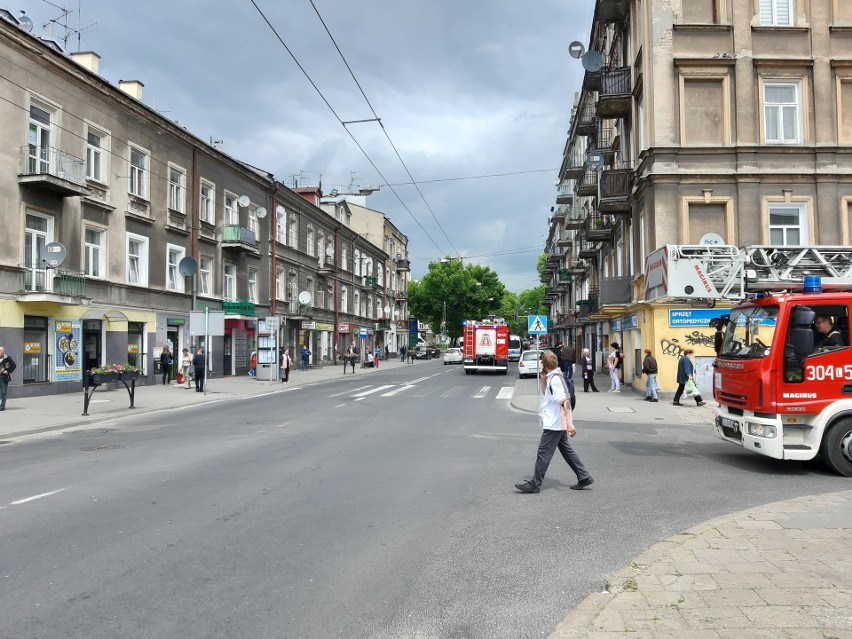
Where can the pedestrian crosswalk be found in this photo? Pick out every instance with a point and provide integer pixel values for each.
(411, 390)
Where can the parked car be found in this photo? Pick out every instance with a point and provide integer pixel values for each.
(453, 356)
(529, 364)
(421, 352)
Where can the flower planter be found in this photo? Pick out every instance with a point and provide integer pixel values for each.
(103, 379)
(126, 377)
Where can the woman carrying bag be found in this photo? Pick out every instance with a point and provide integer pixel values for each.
(284, 366)
(186, 367)
(686, 379)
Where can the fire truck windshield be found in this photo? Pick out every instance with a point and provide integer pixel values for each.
(749, 333)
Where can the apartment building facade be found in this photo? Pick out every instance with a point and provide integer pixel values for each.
(123, 195)
(708, 121)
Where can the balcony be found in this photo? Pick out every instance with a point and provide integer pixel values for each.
(587, 250)
(616, 291)
(588, 306)
(402, 264)
(326, 267)
(585, 116)
(574, 217)
(602, 142)
(564, 240)
(588, 184)
(239, 238)
(47, 168)
(402, 296)
(577, 267)
(616, 187)
(612, 10)
(564, 276)
(565, 194)
(599, 228)
(238, 307)
(555, 256)
(615, 99)
(60, 285)
(557, 214)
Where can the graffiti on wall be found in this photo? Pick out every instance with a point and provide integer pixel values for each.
(673, 348)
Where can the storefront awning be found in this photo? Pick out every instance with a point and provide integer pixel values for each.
(109, 314)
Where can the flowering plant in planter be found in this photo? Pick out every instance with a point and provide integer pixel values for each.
(114, 369)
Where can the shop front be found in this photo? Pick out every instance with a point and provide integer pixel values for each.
(239, 343)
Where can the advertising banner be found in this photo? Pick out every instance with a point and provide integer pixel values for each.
(68, 364)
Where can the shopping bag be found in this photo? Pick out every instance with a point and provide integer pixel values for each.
(691, 388)
(180, 378)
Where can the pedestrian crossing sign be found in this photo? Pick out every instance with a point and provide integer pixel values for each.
(537, 324)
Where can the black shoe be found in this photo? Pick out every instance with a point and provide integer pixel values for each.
(701, 403)
(580, 485)
(653, 400)
(528, 487)
(647, 399)
(677, 404)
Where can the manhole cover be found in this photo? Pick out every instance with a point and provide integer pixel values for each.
(108, 447)
(621, 409)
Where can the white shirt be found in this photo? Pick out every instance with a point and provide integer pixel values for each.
(550, 405)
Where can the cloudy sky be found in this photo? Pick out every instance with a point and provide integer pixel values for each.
(464, 88)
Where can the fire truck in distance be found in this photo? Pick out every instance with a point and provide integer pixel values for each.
(485, 346)
(783, 369)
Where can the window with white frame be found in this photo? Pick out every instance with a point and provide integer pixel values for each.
(320, 248)
(280, 229)
(95, 252)
(139, 162)
(97, 155)
(788, 224)
(177, 189)
(293, 231)
(344, 254)
(252, 221)
(229, 282)
(357, 263)
(280, 284)
(776, 13)
(310, 247)
(344, 299)
(291, 289)
(205, 269)
(370, 306)
(208, 201)
(309, 287)
(252, 285)
(137, 260)
(40, 138)
(782, 111)
(329, 296)
(356, 302)
(174, 280)
(329, 251)
(232, 214)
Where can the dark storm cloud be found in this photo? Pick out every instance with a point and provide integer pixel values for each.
(463, 89)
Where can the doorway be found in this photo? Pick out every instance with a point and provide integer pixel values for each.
(92, 344)
(226, 356)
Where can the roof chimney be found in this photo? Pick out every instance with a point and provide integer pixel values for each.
(88, 60)
(133, 88)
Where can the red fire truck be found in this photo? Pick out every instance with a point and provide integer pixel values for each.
(486, 346)
(783, 372)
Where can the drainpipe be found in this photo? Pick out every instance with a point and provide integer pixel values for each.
(273, 232)
(336, 292)
(194, 224)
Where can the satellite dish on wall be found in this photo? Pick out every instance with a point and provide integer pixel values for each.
(280, 212)
(334, 193)
(304, 297)
(329, 251)
(592, 61)
(53, 254)
(25, 22)
(188, 266)
(711, 239)
(244, 201)
(261, 213)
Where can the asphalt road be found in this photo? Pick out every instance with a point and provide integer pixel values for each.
(348, 510)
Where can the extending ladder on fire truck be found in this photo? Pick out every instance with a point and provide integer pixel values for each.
(723, 272)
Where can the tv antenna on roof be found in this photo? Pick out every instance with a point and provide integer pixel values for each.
(68, 31)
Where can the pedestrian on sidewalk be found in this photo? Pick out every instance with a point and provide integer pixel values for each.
(402, 353)
(686, 374)
(649, 369)
(7, 367)
(569, 357)
(306, 354)
(284, 365)
(588, 372)
(557, 426)
(166, 362)
(199, 363)
(349, 358)
(185, 367)
(613, 363)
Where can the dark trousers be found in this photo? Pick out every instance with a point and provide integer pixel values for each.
(348, 361)
(589, 380)
(167, 373)
(679, 392)
(550, 441)
(4, 387)
(285, 374)
(199, 382)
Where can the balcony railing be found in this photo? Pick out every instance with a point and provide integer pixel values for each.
(588, 306)
(599, 228)
(588, 250)
(588, 184)
(612, 10)
(52, 169)
(586, 116)
(234, 236)
(616, 187)
(565, 194)
(602, 142)
(616, 291)
(58, 281)
(615, 98)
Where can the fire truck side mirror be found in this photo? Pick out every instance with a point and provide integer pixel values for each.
(803, 342)
(804, 317)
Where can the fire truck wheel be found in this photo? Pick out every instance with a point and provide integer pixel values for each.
(837, 448)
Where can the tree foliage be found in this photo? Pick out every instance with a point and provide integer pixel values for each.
(456, 291)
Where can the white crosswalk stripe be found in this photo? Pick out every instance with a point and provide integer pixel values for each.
(505, 392)
(398, 391)
(453, 392)
(413, 390)
(482, 392)
(373, 390)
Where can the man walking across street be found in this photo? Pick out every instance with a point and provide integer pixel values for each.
(555, 417)
(199, 363)
(649, 369)
(685, 375)
(7, 367)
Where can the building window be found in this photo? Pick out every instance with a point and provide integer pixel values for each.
(357, 263)
(206, 270)
(177, 189)
(252, 285)
(776, 13)
(344, 299)
(39, 137)
(96, 157)
(95, 252)
(138, 173)
(344, 254)
(356, 302)
(137, 260)
(39, 231)
(174, 280)
(310, 241)
(232, 214)
(229, 283)
(329, 296)
(293, 231)
(208, 199)
(252, 221)
(782, 112)
(280, 284)
(788, 224)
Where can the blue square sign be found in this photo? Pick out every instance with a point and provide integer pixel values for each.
(537, 324)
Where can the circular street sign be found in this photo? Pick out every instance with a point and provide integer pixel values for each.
(576, 49)
(593, 61)
(594, 161)
(188, 266)
(711, 239)
(53, 254)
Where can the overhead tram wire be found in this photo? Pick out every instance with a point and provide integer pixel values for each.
(476, 177)
(337, 117)
(384, 130)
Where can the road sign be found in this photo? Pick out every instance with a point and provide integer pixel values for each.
(537, 324)
(576, 49)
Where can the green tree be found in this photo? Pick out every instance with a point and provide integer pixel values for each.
(542, 262)
(455, 291)
(515, 308)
